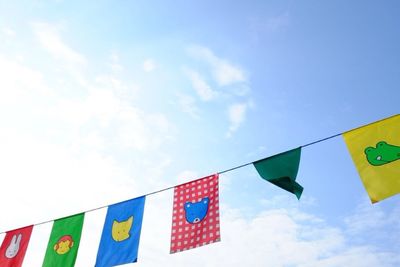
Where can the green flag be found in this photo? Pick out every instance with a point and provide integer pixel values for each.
(63, 245)
(281, 170)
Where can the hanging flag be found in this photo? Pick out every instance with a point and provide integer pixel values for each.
(375, 150)
(281, 170)
(63, 245)
(195, 218)
(13, 248)
(121, 233)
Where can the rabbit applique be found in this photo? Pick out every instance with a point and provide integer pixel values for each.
(13, 247)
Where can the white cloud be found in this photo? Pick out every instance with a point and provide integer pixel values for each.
(227, 74)
(382, 226)
(8, 32)
(50, 39)
(223, 71)
(107, 107)
(101, 105)
(40, 173)
(19, 81)
(142, 131)
(203, 90)
(236, 115)
(367, 216)
(187, 104)
(149, 65)
(115, 64)
(94, 140)
(126, 92)
(132, 128)
(363, 256)
(275, 237)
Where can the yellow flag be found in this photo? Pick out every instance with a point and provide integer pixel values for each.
(375, 149)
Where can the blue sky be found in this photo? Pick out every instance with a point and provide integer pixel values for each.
(104, 101)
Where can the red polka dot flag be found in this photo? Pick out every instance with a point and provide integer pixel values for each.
(195, 218)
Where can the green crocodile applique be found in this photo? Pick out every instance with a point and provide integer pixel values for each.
(382, 154)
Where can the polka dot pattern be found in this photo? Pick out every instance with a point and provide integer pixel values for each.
(185, 235)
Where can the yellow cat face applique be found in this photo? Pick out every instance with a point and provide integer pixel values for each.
(120, 230)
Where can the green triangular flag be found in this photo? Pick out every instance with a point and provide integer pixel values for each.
(281, 170)
(63, 245)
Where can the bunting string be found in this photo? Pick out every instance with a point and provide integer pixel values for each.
(221, 172)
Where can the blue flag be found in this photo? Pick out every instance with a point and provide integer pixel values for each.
(121, 233)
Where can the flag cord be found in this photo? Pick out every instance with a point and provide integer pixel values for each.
(171, 187)
(323, 139)
(309, 144)
(221, 172)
